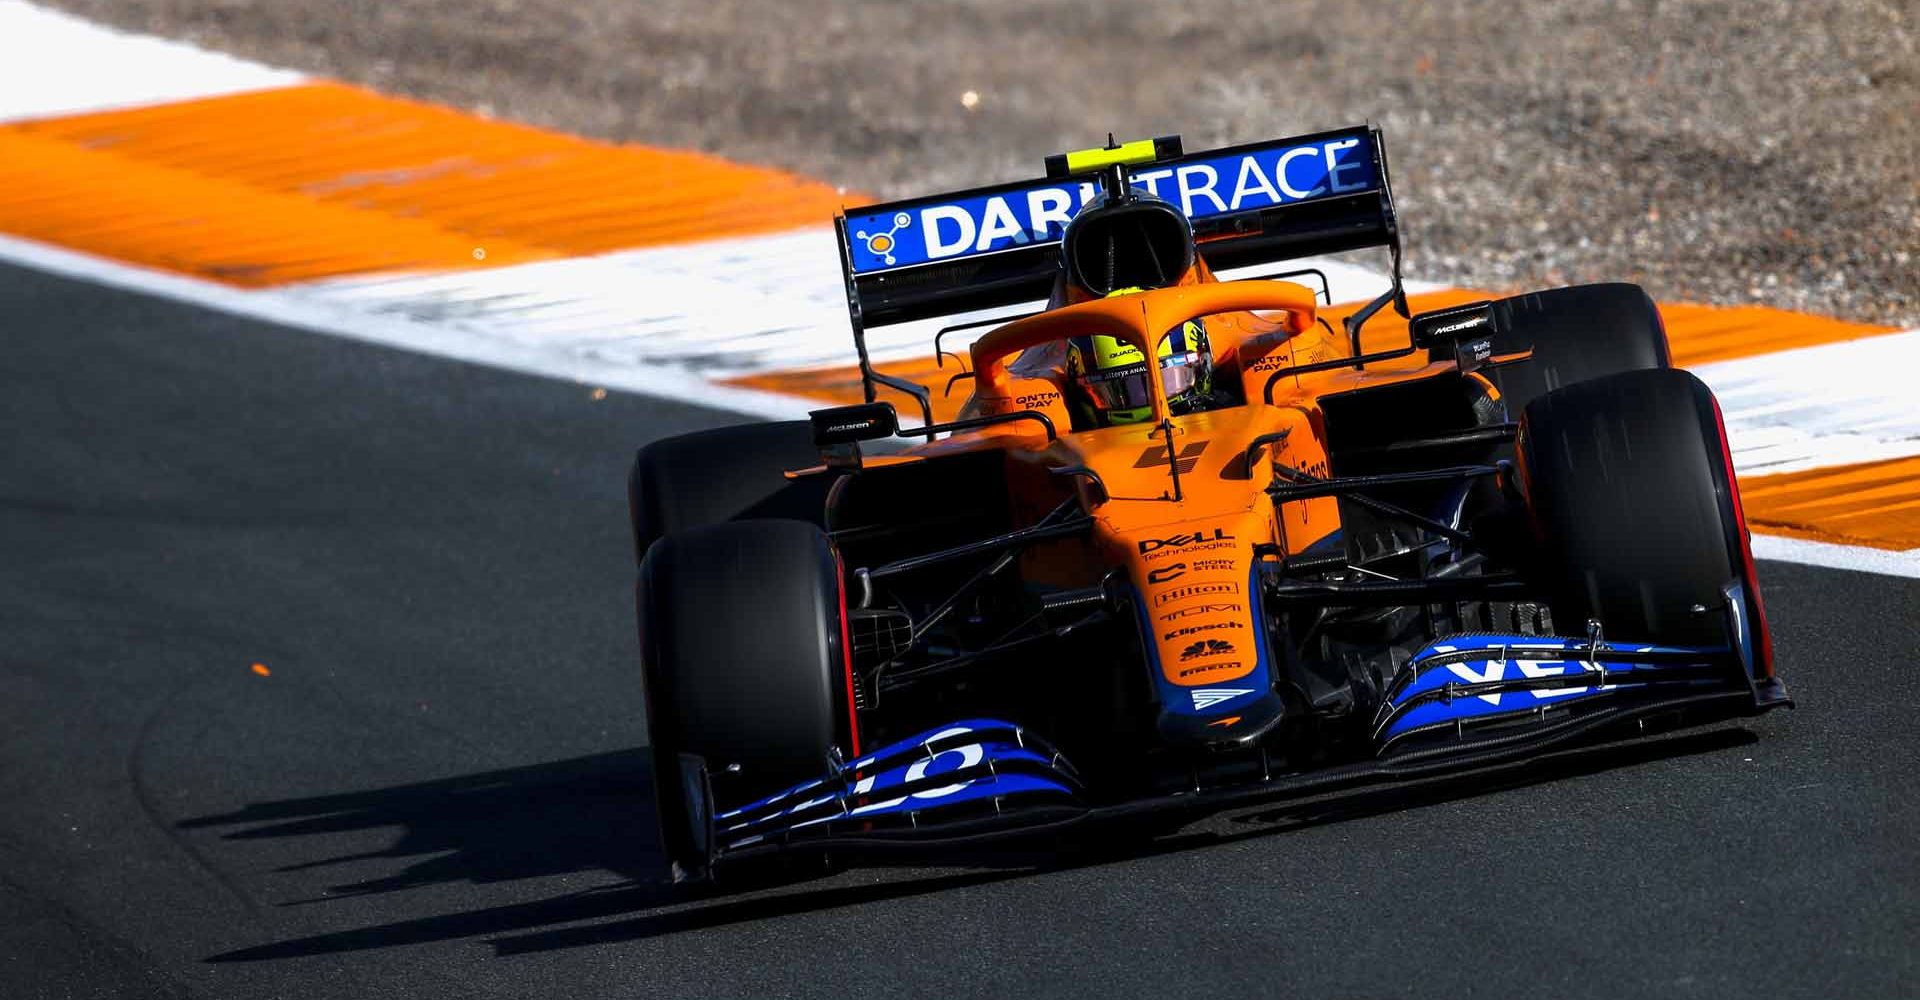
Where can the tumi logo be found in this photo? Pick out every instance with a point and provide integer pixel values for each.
(1197, 629)
(1193, 590)
(1202, 609)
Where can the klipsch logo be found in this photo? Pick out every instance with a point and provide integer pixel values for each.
(1197, 629)
(1192, 590)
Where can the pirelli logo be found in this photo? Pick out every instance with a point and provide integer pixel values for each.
(1190, 591)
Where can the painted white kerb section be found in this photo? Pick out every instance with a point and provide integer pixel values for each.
(1834, 404)
(56, 64)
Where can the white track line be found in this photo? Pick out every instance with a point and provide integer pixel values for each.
(721, 309)
(1853, 557)
(373, 318)
(55, 64)
(274, 306)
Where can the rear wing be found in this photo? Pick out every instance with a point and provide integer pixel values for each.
(995, 246)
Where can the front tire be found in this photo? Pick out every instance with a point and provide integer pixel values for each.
(1636, 511)
(743, 658)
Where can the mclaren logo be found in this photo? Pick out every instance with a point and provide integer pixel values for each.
(1209, 697)
(1461, 326)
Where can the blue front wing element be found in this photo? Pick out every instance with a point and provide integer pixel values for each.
(965, 769)
(1248, 178)
(1461, 681)
(985, 769)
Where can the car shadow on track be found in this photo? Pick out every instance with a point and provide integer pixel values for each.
(650, 909)
(585, 814)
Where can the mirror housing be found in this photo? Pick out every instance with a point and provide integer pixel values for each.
(1464, 333)
(838, 431)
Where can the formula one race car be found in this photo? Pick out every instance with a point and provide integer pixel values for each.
(1187, 544)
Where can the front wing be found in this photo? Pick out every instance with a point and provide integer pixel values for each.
(1460, 703)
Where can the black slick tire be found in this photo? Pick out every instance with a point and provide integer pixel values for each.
(743, 659)
(724, 474)
(1577, 333)
(1635, 509)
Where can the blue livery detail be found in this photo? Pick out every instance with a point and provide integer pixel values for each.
(1250, 178)
(965, 763)
(1464, 679)
(1214, 700)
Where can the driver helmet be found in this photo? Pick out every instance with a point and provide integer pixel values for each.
(1112, 375)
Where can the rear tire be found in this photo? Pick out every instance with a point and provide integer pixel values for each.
(724, 474)
(1636, 512)
(742, 648)
(1577, 333)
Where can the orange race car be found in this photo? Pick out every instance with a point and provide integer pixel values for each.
(1188, 543)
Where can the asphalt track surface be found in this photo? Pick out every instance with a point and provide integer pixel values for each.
(439, 788)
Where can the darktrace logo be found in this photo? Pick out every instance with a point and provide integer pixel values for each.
(1206, 647)
(1203, 539)
(1197, 629)
(1202, 609)
(1165, 573)
(1192, 590)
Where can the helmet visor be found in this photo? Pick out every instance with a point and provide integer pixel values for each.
(1120, 388)
(1128, 388)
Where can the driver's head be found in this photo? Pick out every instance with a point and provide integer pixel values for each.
(1113, 378)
